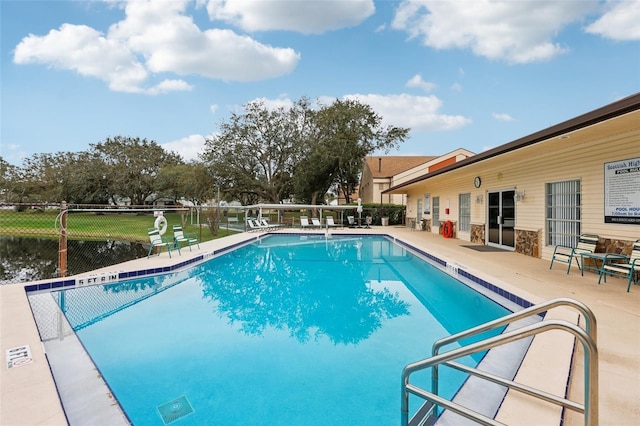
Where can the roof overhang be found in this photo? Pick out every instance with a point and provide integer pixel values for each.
(629, 106)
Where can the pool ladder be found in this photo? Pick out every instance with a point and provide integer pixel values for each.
(588, 338)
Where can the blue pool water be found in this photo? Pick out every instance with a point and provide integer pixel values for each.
(290, 330)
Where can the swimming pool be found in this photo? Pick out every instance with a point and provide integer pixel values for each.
(288, 330)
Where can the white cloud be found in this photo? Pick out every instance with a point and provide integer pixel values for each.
(155, 37)
(417, 112)
(214, 108)
(189, 147)
(12, 153)
(303, 16)
(417, 81)
(621, 21)
(456, 87)
(167, 86)
(514, 31)
(502, 116)
(86, 51)
(274, 104)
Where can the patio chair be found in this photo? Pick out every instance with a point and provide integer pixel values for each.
(254, 226)
(630, 268)
(316, 222)
(269, 226)
(331, 223)
(565, 254)
(158, 240)
(304, 222)
(180, 237)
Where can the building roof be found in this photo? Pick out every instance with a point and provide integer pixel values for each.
(389, 166)
(607, 112)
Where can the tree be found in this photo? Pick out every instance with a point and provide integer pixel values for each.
(265, 155)
(8, 178)
(346, 132)
(255, 153)
(133, 164)
(189, 181)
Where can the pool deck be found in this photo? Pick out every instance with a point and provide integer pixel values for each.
(28, 394)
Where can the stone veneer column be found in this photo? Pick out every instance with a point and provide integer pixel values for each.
(528, 242)
(477, 234)
(608, 245)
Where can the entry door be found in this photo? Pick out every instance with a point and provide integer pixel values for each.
(502, 219)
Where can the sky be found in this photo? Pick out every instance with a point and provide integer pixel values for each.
(471, 74)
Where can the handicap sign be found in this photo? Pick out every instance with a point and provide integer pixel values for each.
(18, 356)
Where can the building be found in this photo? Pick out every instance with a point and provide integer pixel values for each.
(383, 172)
(579, 176)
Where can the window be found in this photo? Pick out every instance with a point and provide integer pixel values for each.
(563, 212)
(435, 211)
(464, 219)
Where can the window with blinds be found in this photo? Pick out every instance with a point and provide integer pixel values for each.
(435, 214)
(464, 214)
(563, 212)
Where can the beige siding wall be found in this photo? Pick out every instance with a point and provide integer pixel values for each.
(530, 169)
(366, 185)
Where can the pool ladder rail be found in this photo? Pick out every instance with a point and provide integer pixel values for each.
(587, 336)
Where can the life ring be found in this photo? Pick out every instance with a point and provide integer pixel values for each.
(161, 224)
(447, 229)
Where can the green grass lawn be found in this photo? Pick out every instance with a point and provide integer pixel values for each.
(95, 226)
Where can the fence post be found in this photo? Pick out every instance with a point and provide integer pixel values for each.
(62, 242)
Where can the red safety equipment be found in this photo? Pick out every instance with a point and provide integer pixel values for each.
(447, 229)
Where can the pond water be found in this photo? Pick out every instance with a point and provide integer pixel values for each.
(28, 259)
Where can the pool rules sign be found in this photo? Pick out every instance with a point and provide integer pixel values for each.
(18, 356)
(622, 192)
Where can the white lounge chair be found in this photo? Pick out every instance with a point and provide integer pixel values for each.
(316, 222)
(331, 223)
(254, 226)
(269, 226)
(304, 222)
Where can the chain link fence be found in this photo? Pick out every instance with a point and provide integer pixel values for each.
(42, 241)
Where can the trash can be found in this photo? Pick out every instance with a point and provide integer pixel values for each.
(385, 221)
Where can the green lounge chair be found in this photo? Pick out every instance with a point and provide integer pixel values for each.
(565, 254)
(630, 268)
(158, 240)
(180, 237)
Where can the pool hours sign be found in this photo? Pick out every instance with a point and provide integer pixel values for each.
(622, 192)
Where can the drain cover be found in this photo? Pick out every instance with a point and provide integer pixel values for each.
(173, 410)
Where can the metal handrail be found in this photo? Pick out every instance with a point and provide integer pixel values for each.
(587, 338)
(590, 326)
(590, 321)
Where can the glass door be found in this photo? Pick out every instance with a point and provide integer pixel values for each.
(501, 215)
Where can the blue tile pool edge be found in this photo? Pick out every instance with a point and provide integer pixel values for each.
(114, 277)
